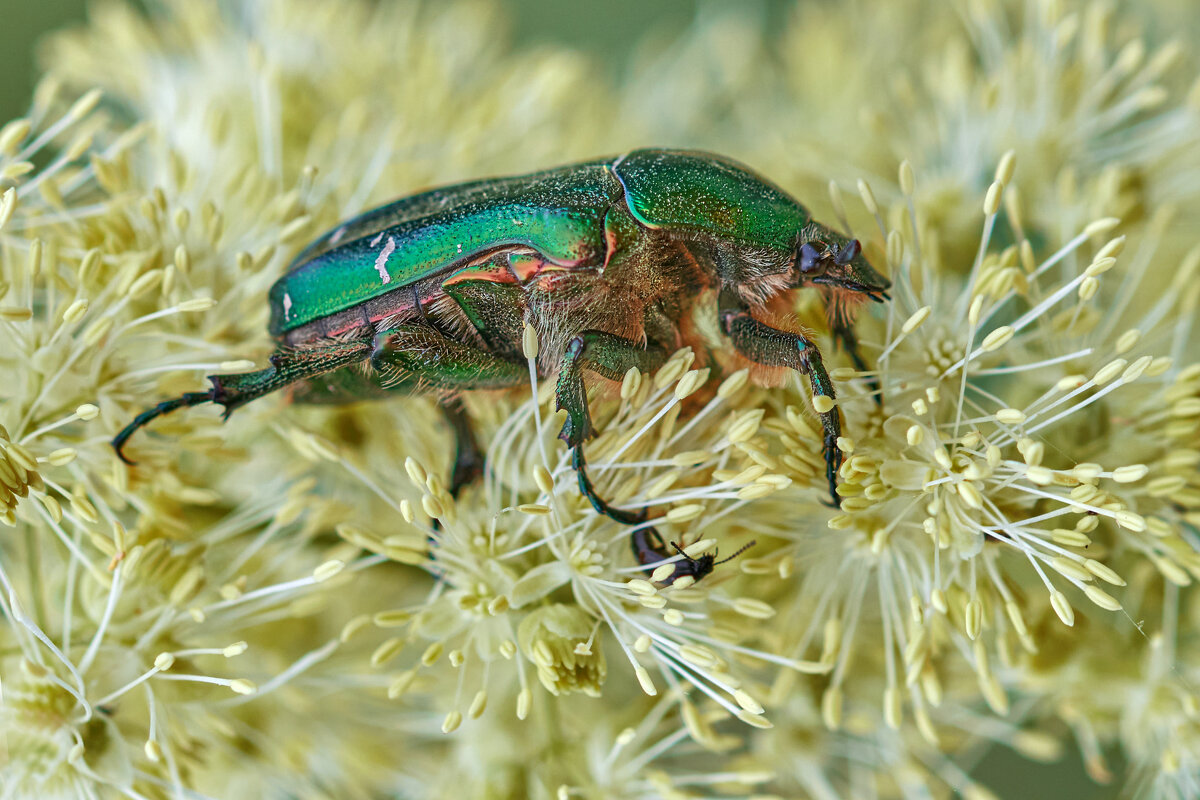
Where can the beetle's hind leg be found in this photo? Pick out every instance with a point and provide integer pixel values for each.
(233, 391)
(185, 400)
(766, 345)
(610, 356)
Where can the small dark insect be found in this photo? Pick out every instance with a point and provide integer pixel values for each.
(649, 550)
(609, 260)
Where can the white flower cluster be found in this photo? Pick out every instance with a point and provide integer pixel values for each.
(295, 603)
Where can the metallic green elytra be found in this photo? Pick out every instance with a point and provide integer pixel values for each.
(609, 260)
(559, 214)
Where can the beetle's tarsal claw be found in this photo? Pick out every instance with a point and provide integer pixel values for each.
(118, 443)
(165, 407)
(579, 464)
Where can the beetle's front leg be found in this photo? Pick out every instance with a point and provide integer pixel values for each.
(774, 348)
(611, 356)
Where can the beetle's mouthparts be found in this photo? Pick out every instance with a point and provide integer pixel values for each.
(878, 294)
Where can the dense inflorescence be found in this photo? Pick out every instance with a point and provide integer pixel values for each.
(294, 603)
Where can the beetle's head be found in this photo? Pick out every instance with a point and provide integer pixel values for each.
(830, 259)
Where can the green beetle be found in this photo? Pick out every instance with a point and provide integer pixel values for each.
(608, 259)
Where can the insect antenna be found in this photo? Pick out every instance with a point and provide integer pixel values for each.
(685, 555)
(740, 550)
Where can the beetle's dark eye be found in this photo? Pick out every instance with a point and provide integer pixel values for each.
(810, 260)
(849, 252)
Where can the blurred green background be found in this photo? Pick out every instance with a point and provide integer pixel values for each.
(608, 30)
(22, 23)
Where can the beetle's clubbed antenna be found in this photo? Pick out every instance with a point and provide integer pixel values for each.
(233, 391)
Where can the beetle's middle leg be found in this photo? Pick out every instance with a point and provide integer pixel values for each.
(611, 356)
(765, 345)
(468, 457)
(426, 356)
(420, 357)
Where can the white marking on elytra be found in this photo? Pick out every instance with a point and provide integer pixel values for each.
(378, 238)
(381, 261)
(337, 235)
(287, 305)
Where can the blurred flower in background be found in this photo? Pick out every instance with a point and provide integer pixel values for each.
(254, 610)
